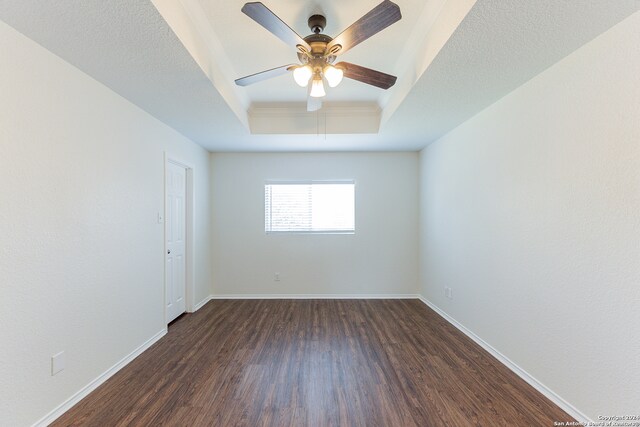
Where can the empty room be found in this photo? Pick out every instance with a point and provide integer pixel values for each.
(320, 213)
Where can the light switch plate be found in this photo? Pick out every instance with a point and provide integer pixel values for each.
(57, 363)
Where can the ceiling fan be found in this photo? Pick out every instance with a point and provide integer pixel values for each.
(317, 51)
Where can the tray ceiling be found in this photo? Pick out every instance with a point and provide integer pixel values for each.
(177, 59)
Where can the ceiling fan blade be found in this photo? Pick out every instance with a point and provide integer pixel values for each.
(378, 18)
(263, 75)
(367, 75)
(314, 104)
(269, 20)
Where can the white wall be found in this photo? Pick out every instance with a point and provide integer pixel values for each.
(530, 212)
(380, 258)
(81, 254)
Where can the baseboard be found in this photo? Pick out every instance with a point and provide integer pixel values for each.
(66, 405)
(315, 296)
(201, 304)
(546, 391)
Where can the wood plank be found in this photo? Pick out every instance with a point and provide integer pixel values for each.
(314, 363)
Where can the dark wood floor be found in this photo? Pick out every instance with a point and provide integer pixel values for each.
(314, 363)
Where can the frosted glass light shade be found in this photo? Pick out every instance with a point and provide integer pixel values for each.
(317, 88)
(302, 75)
(333, 75)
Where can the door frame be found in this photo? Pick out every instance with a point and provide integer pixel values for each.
(189, 233)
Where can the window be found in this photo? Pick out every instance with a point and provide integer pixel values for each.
(309, 207)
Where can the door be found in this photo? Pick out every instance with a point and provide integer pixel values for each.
(175, 273)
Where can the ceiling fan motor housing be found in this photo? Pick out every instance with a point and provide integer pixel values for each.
(318, 44)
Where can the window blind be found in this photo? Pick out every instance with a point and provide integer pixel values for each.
(309, 207)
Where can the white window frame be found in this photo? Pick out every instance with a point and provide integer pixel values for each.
(311, 182)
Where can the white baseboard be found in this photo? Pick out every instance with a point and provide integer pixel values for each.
(70, 402)
(546, 391)
(315, 296)
(201, 304)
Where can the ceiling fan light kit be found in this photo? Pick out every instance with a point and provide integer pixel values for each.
(318, 51)
(317, 88)
(302, 74)
(333, 75)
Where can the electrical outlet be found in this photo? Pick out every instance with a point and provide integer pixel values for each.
(57, 363)
(448, 292)
(276, 277)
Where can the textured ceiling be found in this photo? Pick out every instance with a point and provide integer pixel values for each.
(499, 46)
(129, 47)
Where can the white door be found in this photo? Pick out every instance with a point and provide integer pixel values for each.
(175, 231)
